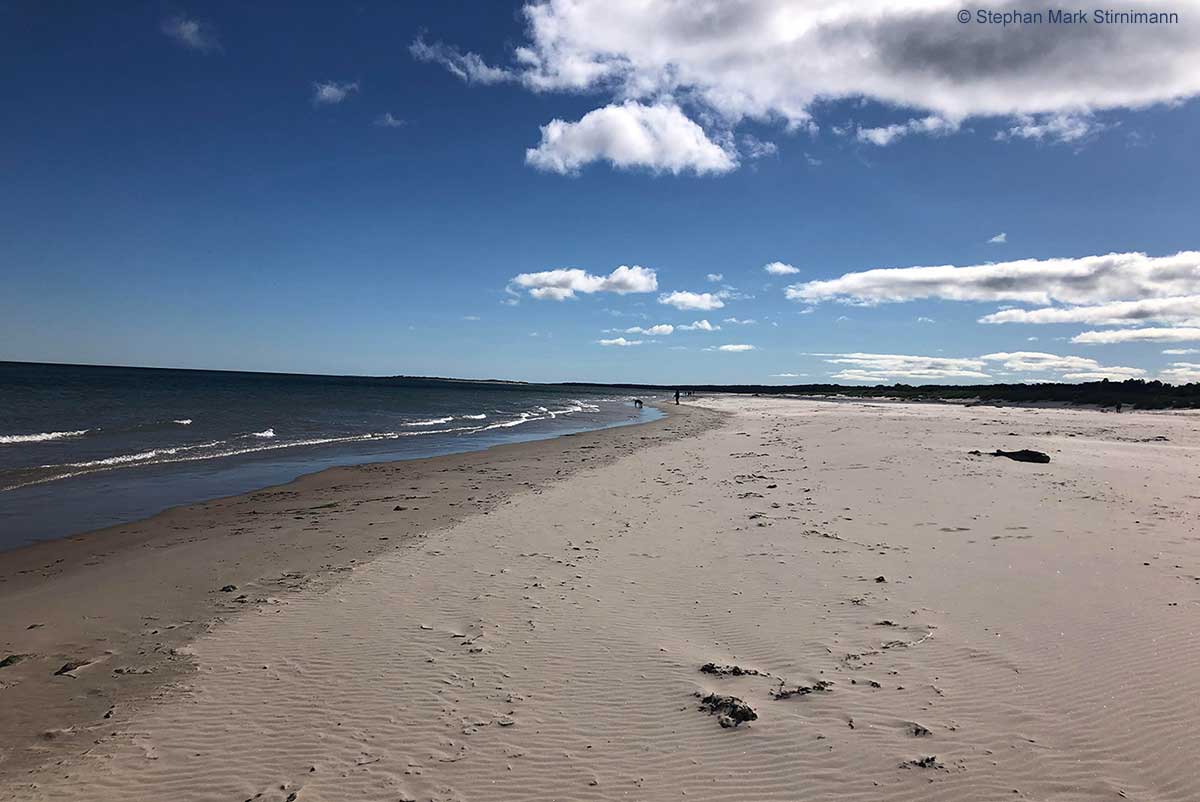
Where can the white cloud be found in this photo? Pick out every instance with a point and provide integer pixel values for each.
(888, 368)
(715, 277)
(700, 325)
(1183, 309)
(885, 368)
(558, 285)
(683, 300)
(191, 33)
(387, 120)
(1181, 373)
(330, 93)
(735, 348)
(926, 320)
(1075, 368)
(780, 269)
(779, 60)
(658, 137)
(787, 375)
(1084, 280)
(466, 66)
(999, 239)
(755, 148)
(736, 322)
(1181, 351)
(1052, 127)
(933, 124)
(1156, 335)
(620, 341)
(660, 330)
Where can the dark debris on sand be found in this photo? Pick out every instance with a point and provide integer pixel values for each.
(820, 686)
(1023, 455)
(730, 710)
(927, 762)
(730, 671)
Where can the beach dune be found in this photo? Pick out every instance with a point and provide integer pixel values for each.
(798, 600)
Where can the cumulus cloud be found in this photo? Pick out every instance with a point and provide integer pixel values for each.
(714, 277)
(330, 93)
(657, 137)
(780, 60)
(192, 34)
(735, 348)
(1181, 373)
(999, 239)
(780, 269)
(1183, 309)
(886, 135)
(683, 300)
(1155, 335)
(558, 285)
(467, 66)
(662, 329)
(1181, 351)
(1084, 280)
(700, 325)
(620, 341)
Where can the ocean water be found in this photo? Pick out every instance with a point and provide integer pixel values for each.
(84, 447)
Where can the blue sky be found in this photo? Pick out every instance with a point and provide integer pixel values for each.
(179, 190)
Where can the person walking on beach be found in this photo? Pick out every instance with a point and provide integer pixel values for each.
(676, 396)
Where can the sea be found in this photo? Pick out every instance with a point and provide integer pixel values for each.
(84, 447)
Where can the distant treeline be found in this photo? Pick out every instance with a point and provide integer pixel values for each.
(1132, 392)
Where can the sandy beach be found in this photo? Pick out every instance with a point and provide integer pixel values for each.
(768, 599)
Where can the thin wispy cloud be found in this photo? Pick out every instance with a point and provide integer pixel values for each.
(466, 66)
(999, 239)
(620, 342)
(1180, 310)
(192, 34)
(1145, 335)
(331, 93)
(886, 135)
(735, 348)
(388, 120)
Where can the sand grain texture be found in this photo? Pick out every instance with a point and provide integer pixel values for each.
(951, 627)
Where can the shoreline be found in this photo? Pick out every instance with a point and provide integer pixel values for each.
(129, 597)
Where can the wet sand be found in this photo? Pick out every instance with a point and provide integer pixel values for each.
(805, 601)
(126, 598)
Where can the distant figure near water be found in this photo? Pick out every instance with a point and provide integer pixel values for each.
(676, 396)
(637, 402)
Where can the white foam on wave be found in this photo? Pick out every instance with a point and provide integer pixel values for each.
(183, 421)
(265, 433)
(40, 437)
(431, 421)
(480, 416)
